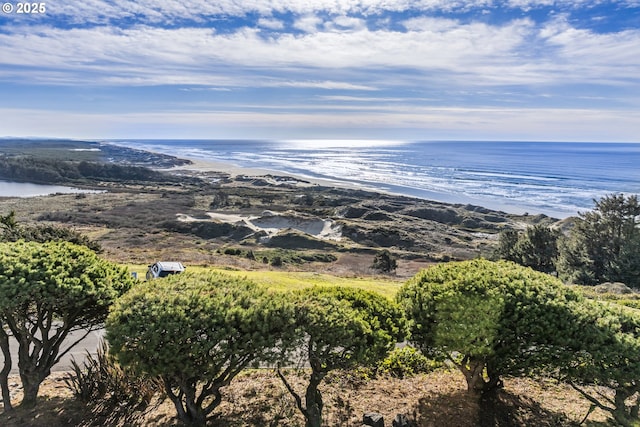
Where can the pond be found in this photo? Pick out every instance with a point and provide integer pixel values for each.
(26, 189)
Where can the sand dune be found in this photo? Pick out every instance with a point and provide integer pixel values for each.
(272, 223)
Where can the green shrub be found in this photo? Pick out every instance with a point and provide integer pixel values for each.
(632, 303)
(406, 362)
(48, 290)
(197, 332)
(490, 319)
(339, 328)
(385, 262)
(317, 257)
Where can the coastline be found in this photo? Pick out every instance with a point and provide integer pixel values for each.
(199, 165)
(504, 176)
(212, 166)
(266, 210)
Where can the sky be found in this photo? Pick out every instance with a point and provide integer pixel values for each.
(563, 70)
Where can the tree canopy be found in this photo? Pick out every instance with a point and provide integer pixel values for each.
(340, 328)
(48, 171)
(602, 350)
(197, 333)
(536, 247)
(489, 318)
(48, 290)
(603, 246)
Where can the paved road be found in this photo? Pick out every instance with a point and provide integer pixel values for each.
(79, 351)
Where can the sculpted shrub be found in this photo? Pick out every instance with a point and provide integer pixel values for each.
(406, 362)
(490, 319)
(197, 333)
(339, 328)
(603, 351)
(47, 291)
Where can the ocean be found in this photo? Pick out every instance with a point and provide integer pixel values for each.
(558, 179)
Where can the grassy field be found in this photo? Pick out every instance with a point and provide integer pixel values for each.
(292, 280)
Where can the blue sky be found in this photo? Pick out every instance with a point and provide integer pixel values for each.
(566, 70)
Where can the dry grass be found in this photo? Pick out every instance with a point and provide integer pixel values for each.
(257, 398)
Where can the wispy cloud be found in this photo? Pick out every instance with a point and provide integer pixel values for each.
(155, 10)
(408, 62)
(437, 49)
(346, 98)
(456, 123)
(327, 84)
(271, 23)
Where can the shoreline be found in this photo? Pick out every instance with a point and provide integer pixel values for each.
(450, 188)
(214, 166)
(137, 221)
(221, 167)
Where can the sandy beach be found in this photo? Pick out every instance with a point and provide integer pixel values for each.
(211, 166)
(233, 170)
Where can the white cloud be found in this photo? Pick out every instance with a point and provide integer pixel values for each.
(271, 23)
(308, 23)
(430, 24)
(327, 84)
(346, 98)
(437, 50)
(162, 10)
(155, 11)
(346, 23)
(530, 4)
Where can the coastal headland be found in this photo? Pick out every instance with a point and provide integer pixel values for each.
(158, 207)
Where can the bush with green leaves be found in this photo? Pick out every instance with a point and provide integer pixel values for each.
(385, 262)
(47, 291)
(406, 362)
(12, 231)
(339, 328)
(197, 333)
(489, 319)
(602, 351)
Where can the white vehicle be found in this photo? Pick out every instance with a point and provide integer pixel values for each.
(164, 269)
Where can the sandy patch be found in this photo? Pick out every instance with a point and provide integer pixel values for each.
(270, 176)
(272, 223)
